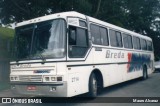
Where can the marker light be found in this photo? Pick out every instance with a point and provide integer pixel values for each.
(52, 78)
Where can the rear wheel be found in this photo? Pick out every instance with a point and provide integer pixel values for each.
(145, 74)
(93, 86)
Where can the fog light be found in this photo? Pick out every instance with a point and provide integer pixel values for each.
(52, 88)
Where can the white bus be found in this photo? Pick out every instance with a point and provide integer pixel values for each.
(67, 54)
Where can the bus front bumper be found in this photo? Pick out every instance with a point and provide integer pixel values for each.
(40, 89)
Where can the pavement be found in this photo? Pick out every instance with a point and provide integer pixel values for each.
(134, 88)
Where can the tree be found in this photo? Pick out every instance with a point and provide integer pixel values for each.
(136, 15)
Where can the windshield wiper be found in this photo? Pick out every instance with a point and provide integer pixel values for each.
(39, 54)
(17, 62)
(42, 58)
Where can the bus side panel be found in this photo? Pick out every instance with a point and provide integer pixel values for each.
(78, 78)
(110, 61)
(78, 75)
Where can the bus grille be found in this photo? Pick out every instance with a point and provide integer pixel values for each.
(30, 78)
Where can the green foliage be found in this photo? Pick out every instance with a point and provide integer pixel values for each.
(135, 15)
(6, 41)
(6, 33)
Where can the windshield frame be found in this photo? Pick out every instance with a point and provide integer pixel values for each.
(14, 52)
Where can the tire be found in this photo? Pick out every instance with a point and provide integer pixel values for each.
(93, 86)
(145, 73)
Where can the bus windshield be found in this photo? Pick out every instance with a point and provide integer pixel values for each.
(41, 40)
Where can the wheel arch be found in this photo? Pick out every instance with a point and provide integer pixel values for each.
(99, 77)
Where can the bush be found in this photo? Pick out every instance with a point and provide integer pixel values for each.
(6, 42)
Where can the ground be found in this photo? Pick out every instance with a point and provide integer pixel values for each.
(135, 88)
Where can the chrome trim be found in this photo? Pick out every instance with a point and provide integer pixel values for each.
(30, 78)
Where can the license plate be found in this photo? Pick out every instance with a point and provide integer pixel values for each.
(31, 88)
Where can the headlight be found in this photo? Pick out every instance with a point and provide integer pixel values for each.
(14, 78)
(52, 78)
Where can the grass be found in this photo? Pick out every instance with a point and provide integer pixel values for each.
(6, 33)
(4, 86)
(6, 39)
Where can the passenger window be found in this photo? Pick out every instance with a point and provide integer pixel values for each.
(99, 35)
(104, 36)
(150, 46)
(96, 38)
(127, 41)
(119, 39)
(78, 42)
(143, 44)
(115, 38)
(136, 43)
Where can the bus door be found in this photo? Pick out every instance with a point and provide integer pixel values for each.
(78, 48)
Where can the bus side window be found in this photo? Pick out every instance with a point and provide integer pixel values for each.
(136, 43)
(119, 39)
(78, 42)
(127, 41)
(99, 35)
(95, 32)
(115, 38)
(104, 36)
(143, 44)
(149, 46)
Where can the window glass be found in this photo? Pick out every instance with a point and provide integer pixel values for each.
(82, 23)
(119, 39)
(81, 37)
(115, 38)
(143, 44)
(95, 34)
(104, 36)
(150, 46)
(40, 40)
(72, 37)
(136, 43)
(99, 35)
(78, 42)
(127, 41)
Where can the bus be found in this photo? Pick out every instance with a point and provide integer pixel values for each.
(69, 53)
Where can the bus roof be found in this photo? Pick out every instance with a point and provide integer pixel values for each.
(76, 14)
(52, 16)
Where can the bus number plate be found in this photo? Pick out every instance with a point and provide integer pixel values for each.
(31, 88)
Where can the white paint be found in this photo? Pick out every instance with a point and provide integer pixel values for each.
(77, 78)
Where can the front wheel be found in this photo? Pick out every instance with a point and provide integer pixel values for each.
(93, 86)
